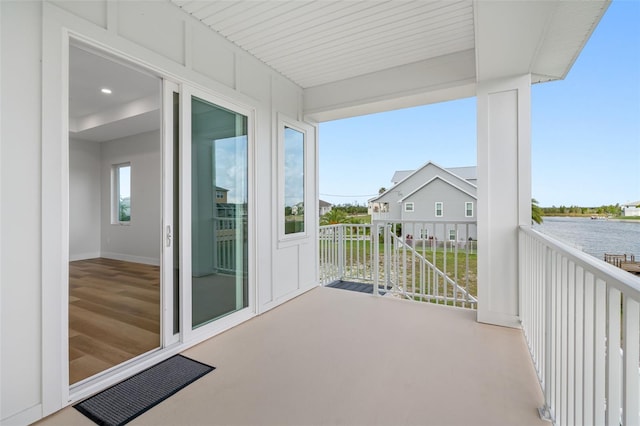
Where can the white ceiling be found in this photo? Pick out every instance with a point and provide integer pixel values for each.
(316, 42)
(319, 42)
(132, 107)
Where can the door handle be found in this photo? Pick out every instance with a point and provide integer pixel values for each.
(168, 236)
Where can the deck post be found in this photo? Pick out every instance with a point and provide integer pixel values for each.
(504, 193)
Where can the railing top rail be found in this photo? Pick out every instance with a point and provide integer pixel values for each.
(448, 222)
(627, 283)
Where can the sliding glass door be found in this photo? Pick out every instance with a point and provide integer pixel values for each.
(219, 207)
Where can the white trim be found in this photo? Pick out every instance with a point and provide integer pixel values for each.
(168, 201)
(307, 131)
(114, 198)
(25, 417)
(188, 334)
(130, 258)
(84, 256)
(289, 296)
(466, 210)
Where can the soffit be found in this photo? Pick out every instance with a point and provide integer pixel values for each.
(360, 57)
(319, 42)
(543, 38)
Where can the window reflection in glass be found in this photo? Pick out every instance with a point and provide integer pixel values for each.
(294, 208)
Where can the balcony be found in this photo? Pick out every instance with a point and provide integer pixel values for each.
(338, 357)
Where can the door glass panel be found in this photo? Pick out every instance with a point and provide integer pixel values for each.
(115, 194)
(219, 177)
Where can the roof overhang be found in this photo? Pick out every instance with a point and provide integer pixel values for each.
(359, 57)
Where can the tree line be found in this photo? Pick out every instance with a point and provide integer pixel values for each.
(611, 209)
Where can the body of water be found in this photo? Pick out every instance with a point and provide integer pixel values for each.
(595, 237)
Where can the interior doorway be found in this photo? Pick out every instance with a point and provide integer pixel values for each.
(115, 212)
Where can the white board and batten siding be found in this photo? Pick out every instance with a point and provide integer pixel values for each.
(35, 164)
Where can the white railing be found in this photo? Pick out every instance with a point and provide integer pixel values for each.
(426, 261)
(430, 261)
(581, 319)
(345, 253)
(225, 243)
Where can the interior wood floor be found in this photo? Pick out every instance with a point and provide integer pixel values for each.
(114, 314)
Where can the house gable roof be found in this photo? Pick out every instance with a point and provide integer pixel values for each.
(423, 186)
(451, 177)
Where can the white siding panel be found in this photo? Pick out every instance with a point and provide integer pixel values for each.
(308, 264)
(253, 78)
(167, 37)
(286, 97)
(285, 272)
(20, 293)
(93, 11)
(212, 57)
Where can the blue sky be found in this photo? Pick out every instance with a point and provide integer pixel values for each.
(585, 130)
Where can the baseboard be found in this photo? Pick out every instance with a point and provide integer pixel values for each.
(84, 256)
(26, 417)
(130, 258)
(498, 318)
(285, 298)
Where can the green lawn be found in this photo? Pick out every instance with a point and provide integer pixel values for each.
(358, 256)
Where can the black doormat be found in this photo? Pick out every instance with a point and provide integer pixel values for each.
(128, 399)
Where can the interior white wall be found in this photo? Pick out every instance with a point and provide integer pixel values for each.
(504, 193)
(84, 199)
(138, 241)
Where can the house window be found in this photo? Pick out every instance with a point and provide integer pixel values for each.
(294, 171)
(468, 209)
(439, 209)
(424, 234)
(121, 192)
(452, 234)
(408, 207)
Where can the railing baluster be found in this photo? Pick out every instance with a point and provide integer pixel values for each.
(631, 351)
(589, 347)
(599, 370)
(614, 364)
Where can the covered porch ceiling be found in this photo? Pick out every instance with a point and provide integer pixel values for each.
(357, 57)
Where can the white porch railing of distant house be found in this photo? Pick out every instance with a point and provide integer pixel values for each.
(426, 261)
(581, 319)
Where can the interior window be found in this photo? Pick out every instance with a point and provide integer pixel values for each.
(122, 193)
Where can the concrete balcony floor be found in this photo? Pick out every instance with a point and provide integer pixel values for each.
(334, 357)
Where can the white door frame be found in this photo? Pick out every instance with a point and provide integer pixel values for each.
(60, 29)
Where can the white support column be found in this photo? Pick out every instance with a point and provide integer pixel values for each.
(504, 193)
